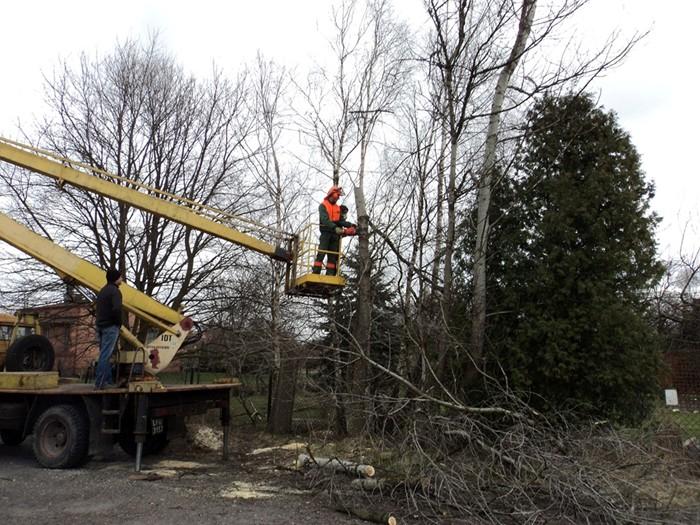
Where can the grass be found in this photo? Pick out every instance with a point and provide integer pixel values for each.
(689, 422)
(310, 410)
(179, 378)
(306, 407)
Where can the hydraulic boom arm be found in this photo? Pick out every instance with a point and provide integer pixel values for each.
(297, 251)
(160, 351)
(196, 215)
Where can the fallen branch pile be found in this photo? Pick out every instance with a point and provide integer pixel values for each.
(486, 469)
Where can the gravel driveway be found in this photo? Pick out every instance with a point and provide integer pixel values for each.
(180, 488)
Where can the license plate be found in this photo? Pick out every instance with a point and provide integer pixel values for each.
(157, 425)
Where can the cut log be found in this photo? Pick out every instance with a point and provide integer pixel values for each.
(336, 465)
(288, 446)
(368, 484)
(364, 513)
(250, 409)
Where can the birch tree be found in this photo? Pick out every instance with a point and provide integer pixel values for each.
(478, 47)
(527, 14)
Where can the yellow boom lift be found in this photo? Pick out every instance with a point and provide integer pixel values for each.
(71, 421)
(297, 251)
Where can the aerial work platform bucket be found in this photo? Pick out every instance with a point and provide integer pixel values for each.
(301, 280)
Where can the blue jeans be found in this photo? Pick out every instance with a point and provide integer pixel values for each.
(108, 336)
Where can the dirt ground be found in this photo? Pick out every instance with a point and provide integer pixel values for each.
(187, 484)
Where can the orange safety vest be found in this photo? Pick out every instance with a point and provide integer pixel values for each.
(333, 210)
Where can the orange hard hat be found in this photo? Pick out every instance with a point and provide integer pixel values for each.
(335, 189)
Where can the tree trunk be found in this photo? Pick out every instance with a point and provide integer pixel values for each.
(445, 304)
(279, 420)
(451, 220)
(363, 512)
(337, 465)
(438, 214)
(282, 403)
(359, 389)
(340, 421)
(527, 14)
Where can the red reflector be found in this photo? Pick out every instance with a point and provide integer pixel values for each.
(187, 324)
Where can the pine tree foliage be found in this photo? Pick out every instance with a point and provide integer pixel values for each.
(573, 257)
(386, 318)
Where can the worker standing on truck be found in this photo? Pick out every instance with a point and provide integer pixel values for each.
(109, 321)
(329, 213)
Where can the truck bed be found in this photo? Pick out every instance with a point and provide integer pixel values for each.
(138, 417)
(89, 389)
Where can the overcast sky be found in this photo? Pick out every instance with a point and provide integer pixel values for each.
(652, 92)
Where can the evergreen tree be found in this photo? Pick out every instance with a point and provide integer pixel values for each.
(573, 255)
(386, 321)
(386, 332)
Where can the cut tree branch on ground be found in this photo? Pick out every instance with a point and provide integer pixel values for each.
(336, 465)
(368, 483)
(367, 514)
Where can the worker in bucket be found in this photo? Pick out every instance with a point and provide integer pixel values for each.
(330, 220)
(344, 223)
(109, 321)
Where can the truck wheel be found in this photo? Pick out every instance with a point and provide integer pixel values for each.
(31, 353)
(61, 437)
(11, 438)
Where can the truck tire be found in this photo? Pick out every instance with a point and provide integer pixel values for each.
(12, 418)
(11, 438)
(61, 437)
(31, 353)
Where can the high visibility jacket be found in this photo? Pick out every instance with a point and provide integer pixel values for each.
(328, 214)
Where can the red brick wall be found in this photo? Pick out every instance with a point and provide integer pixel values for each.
(71, 329)
(684, 375)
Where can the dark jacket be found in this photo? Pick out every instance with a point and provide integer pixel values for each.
(109, 306)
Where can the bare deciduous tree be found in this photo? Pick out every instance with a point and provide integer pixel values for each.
(369, 49)
(135, 113)
(527, 15)
(282, 190)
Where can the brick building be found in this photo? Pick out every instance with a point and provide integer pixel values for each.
(71, 329)
(683, 358)
(683, 375)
